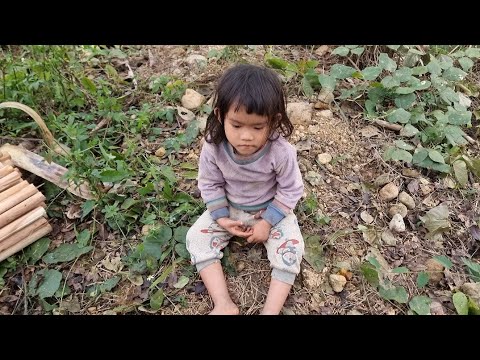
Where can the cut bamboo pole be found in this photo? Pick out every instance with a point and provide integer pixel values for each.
(19, 235)
(35, 235)
(4, 171)
(21, 209)
(4, 157)
(21, 222)
(17, 198)
(10, 180)
(13, 190)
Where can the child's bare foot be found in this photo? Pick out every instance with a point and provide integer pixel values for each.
(225, 309)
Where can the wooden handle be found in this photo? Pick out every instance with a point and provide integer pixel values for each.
(22, 222)
(17, 198)
(21, 209)
(35, 235)
(13, 190)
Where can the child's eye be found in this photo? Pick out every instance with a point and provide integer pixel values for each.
(236, 126)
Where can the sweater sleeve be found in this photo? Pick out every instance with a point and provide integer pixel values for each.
(289, 188)
(212, 184)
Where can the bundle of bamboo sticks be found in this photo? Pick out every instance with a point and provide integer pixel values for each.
(23, 219)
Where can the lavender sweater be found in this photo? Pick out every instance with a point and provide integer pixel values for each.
(269, 179)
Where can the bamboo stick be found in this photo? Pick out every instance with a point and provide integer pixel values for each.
(4, 157)
(10, 180)
(19, 235)
(17, 197)
(7, 162)
(21, 222)
(13, 190)
(4, 171)
(21, 209)
(37, 234)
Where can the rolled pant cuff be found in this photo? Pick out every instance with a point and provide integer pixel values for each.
(284, 276)
(202, 265)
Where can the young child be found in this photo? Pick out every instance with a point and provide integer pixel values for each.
(250, 181)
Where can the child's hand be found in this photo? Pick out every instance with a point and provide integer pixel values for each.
(261, 232)
(236, 228)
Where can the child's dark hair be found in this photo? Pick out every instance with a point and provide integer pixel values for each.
(259, 90)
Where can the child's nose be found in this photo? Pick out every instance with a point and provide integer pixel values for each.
(247, 135)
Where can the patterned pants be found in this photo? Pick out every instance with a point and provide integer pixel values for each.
(206, 240)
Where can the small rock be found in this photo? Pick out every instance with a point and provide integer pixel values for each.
(366, 217)
(434, 270)
(160, 152)
(388, 238)
(325, 113)
(303, 145)
(354, 312)
(382, 180)
(410, 172)
(389, 192)
(146, 228)
(299, 113)
(398, 209)
(325, 96)
(324, 158)
(314, 178)
(407, 200)
(337, 282)
(202, 124)
(311, 279)
(197, 60)
(472, 290)
(436, 308)
(397, 224)
(369, 131)
(448, 182)
(192, 99)
(185, 114)
(240, 266)
(322, 50)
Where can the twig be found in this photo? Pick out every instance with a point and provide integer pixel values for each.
(388, 125)
(100, 125)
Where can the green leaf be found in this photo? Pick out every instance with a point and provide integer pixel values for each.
(181, 250)
(454, 74)
(180, 234)
(307, 88)
(371, 72)
(190, 175)
(339, 71)
(89, 85)
(403, 74)
(314, 252)
(445, 261)
(148, 188)
(156, 300)
(461, 172)
(396, 293)
(387, 155)
(98, 289)
(436, 156)
(399, 115)
(83, 238)
(403, 145)
(473, 269)
(370, 273)
(87, 207)
(341, 51)
(66, 252)
(386, 63)
(189, 166)
(277, 63)
(182, 198)
(473, 52)
(400, 270)
(473, 165)
(168, 173)
(460, 302)
(456, 117)
(422, 279)
(404, 90)
(372, 260)
(408, 131)
(446, 62)
(401, 155)
(180, 284)
(436, 221)
(420, 85)
(420, 304)
(159, 236)
(405, 101)
(419, 155)
(389, 82)
(35, 251)
(466, 63)
(50, 283)
(454, 135)
(448, 95)
(393, 47)
(113, 175)
(357, 51)
(110, 70)
(419, 70)
(433, 66)
(328, 82)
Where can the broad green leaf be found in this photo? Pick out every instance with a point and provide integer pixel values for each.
(436, 221)
(405, 101)
(339, 71)
(473, 307)
(66, 252)
(456, 117)
(399, 115)
(98, 289)
(461, 172)
(113, 175)
(372, 260)
(460, 302)
(400, 270)
(182, 251)
(404, 90)
(387, 155)
(421, 85)
(420, 304)
(111, 71)
(396, 293)
(419, 70)
(277, 63)
(419, 155)
(190, 175)
(473, 52)
(156, 300)
(371, 72)
(328, 82)
(159, 236)
(433, 66)
(180, 284)
(473, 269)
(438, 82)
(454, 74)
(436, 156)
(341, 51)
(189, 166)
(445, 261)
(448, 95)
(152, 249)
(466, 63)
(148, 188)
(35, 251)
(370, 273)
(408, 131)
(403, 74)
(50, 284)
(307, 88)
(314, 252)
(357, 51)
(89, 85)
(87, 207)
(180, 234)
(169, 173)
(403, 145)
(473, 165)
(312, 77)
(445, 62)
(61, 291)
(386, 63)
(370, 106)
(182, 197)
(393, 47)
(445, 168)
(83, 237)
(401, 155)
(422, 279)
(389, 82)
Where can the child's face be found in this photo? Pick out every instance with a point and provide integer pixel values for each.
(246, 132)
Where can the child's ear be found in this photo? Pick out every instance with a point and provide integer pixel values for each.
(278, 117)
(216, 112)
